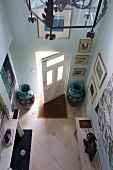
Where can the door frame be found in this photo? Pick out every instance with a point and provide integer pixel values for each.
(39, 57)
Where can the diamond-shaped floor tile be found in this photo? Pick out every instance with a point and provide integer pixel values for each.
(54, 124)
(42, 134)
(66, 159)
(54, 146)
(41, 159)
(71, 123)
(32, 167)
(65, 133)
(54, 166)
(77, 165)
(35, 145)
(73, 146)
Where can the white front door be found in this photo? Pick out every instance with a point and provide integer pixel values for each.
(54, 72)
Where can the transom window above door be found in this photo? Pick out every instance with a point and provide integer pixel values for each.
(55, 61)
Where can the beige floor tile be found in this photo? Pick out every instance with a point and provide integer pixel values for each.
(32, 167)
(66, 159)
(41, 159)
(35, 146)
(54, 166)
(73, 146)
(65, 133)
(77, 165)
(42, 134)
(54, 124)
(54, 146)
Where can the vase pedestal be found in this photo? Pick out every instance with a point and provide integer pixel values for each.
(26, 104)
(74, 101)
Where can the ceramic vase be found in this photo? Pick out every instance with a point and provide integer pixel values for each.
(75, 94)
(25, 96)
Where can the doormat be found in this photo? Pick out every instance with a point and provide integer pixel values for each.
(21, 151)
(53, 109)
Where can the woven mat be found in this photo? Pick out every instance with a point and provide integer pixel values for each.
(53, 109)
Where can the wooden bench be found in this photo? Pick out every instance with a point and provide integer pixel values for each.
(86, 164)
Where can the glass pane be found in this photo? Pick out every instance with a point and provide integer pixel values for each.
(49, 77)
(60, 73)
(81, 12)
(55, 61)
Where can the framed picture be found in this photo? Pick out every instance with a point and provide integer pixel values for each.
(100, 70)
(84, 45)
(92, 89)
(79, 71)
(8, 77)
(85, 123)
(60, 18)
(81, 59)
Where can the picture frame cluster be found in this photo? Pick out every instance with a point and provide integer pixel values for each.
(99, 67)
(83, 47)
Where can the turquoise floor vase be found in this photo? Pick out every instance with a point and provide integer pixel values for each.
(25, 96)
(75, 94)
(77, 89)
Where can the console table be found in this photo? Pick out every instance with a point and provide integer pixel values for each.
(6, 153)
(86, 164)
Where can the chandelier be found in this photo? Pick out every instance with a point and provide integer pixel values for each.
(82, 13)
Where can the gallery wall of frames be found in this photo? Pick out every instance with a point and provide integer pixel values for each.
(81, 60)
(104, 108)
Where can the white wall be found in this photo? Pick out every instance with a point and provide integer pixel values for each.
(5, 41)
(104, 45)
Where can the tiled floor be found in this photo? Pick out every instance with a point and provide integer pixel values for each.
(54, 146)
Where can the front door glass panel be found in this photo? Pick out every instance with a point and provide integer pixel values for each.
(49, 77)
(60, 73)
